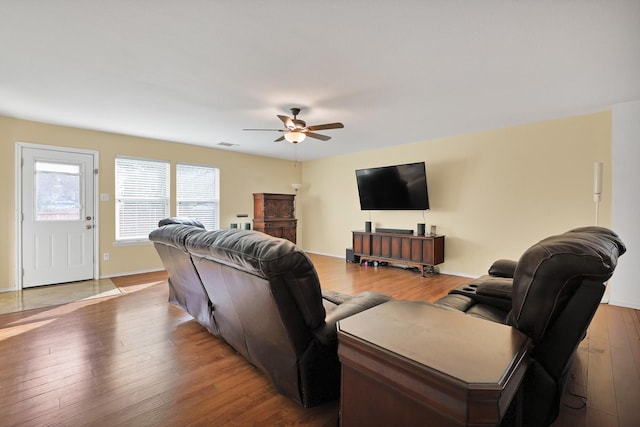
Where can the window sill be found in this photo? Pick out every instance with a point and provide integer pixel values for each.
(132, 242)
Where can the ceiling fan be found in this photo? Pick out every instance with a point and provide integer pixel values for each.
(296, 130)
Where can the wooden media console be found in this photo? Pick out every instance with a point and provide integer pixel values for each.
(423, 252)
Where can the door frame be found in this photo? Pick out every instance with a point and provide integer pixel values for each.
(18, 203)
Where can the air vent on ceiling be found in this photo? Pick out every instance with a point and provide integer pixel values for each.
(228, 144)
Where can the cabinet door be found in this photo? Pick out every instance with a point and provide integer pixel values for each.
(396, 248)
(416, 250)
(361, 243)
(278, 208)
(376, 244)
(406, 248)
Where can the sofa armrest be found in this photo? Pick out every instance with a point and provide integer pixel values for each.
(361, 302)
(503, 268)
(335, 297)
(497, 287)
(487, 290)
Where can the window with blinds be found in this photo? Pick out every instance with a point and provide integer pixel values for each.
(198, 194)
(142, 197)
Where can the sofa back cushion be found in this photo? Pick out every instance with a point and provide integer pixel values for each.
(269, 258)
(550, 272)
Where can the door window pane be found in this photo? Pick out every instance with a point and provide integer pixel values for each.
(57, 192)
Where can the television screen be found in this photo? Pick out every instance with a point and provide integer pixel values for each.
(400, 187)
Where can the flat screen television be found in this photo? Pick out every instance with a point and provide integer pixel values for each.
(399, 187)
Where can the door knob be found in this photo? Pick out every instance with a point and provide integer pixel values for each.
(89, 227)
(89, 218)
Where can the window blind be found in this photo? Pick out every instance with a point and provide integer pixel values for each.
(198, 194)
(142, 196)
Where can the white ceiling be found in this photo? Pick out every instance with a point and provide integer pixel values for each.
(394, 72)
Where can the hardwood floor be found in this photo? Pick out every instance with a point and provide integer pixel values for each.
(135, 360)
(607, 372)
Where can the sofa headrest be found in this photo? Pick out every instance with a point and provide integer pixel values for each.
(180, 220)
(174, 235)
(248, 250)
(548, 274)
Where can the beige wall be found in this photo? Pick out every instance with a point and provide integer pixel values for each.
(241, 175)
(492, 193)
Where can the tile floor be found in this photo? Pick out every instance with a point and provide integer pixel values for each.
(46, 296)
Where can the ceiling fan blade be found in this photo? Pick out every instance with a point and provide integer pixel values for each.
(288, 123)
(318, 136)
(327, 126)
(279, 139)
(267, 130)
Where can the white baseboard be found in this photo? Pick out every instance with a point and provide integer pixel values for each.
(131, 273)
(635, 306)
(323, 254)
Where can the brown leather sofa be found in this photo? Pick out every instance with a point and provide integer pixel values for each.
(551, 294)
(262, 296)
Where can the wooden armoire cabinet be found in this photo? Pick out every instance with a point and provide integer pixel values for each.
(274, 214)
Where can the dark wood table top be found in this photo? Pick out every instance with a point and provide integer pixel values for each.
(472, 351)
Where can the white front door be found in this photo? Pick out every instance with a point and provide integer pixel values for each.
(57, 206)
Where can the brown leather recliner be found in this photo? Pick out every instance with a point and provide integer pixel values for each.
(551, 294)
(261, 295)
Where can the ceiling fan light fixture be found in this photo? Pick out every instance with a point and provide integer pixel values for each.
(294, 137)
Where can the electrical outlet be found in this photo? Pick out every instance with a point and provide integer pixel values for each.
(105, 256)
